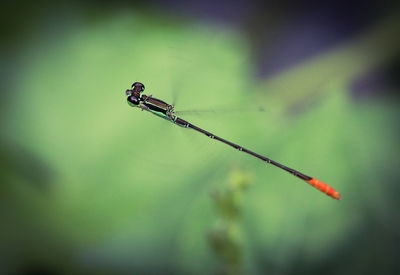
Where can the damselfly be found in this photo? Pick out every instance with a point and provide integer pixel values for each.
(166, 111)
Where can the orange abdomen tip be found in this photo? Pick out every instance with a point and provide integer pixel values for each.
(325, 188)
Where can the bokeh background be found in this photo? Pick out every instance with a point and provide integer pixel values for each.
(89, 185)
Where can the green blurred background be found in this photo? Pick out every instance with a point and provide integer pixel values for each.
(89, 185)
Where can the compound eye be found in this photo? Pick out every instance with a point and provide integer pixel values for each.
(138, 87)
(128, 92)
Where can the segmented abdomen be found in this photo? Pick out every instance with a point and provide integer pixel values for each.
(325, 188)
